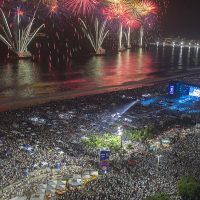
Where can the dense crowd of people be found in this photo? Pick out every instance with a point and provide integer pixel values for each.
(147, 176)
(48, 136)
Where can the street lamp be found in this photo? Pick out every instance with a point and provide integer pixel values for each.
(158, 162)
(120, 134)
(158, 157)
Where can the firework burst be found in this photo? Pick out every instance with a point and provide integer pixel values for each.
(144, 8)
(80, 7)
(131, 22)
(119, 10)
(48, 2)
(116, 9)
(52, 5)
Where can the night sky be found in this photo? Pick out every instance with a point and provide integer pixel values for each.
(182, 19)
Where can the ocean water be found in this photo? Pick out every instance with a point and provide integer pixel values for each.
(24, 80)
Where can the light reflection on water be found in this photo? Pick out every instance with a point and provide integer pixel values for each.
(24, 78)
(172, 55)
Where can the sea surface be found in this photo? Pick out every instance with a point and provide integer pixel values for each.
(24, 82)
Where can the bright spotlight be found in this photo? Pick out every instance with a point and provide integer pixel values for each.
(119, 130)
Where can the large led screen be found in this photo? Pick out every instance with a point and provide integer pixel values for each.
(195, 92)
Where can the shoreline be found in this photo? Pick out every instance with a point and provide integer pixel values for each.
(23, 103)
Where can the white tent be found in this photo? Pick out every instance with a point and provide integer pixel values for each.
(35, 165)
(75, 182)
(43, 163)
(61, 152)
(94, 173)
